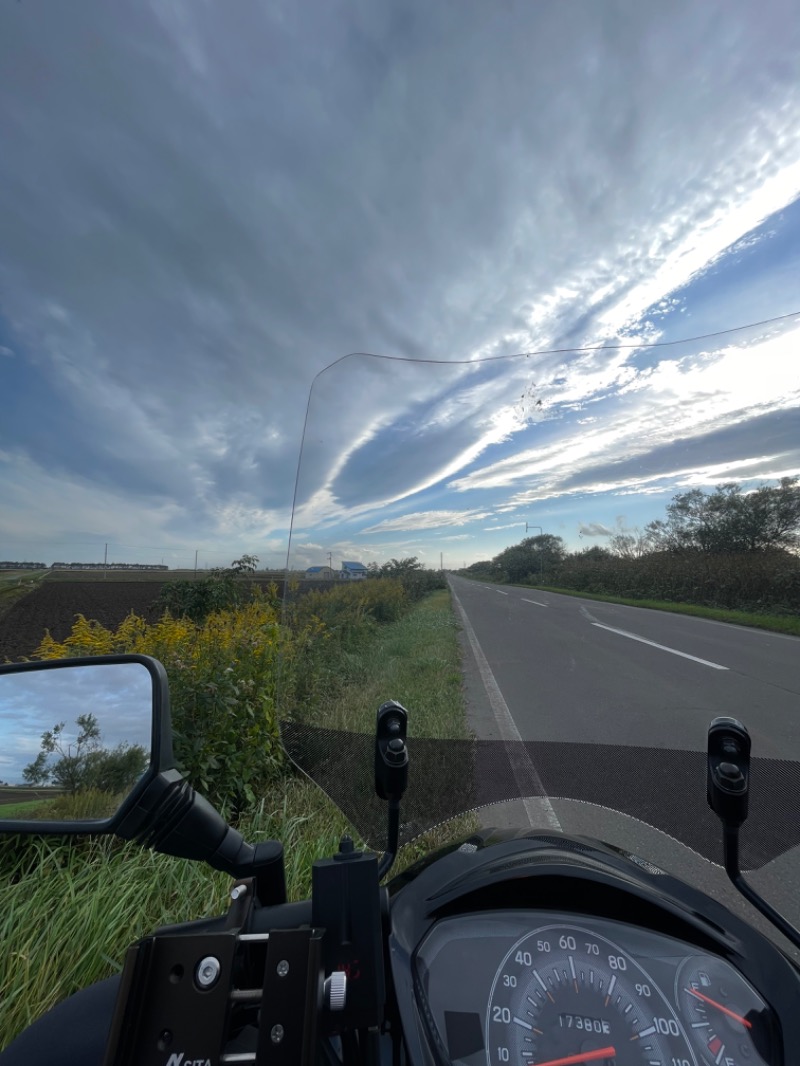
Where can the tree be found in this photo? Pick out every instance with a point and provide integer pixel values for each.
(219, 592)
(532, 556)
(483, 566)
(597, 553)
(400, 567)
(730, 520)
(85, 764)
(629, 544)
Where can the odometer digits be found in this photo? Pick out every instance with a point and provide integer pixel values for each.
(564, 993)
(584, 1022)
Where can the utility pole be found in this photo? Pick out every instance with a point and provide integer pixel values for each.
(330, 560)
(441, 560)
(105, 562)
(195, 561)
(541, 548)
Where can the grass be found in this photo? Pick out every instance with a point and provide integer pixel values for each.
(12, 591)
(19, 810)
(778, 623)
(71, 908)
(415, 660)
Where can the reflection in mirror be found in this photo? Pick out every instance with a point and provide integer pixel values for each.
(73, 741)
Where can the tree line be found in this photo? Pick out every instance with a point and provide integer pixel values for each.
(726, 548)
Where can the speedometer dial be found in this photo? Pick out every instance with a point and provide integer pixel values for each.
(564, 996)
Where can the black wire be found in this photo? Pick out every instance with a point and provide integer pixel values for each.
(559, 351)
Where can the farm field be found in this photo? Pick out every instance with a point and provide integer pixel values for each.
(53, 605)
(53, 602)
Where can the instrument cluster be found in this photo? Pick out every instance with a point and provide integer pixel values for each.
(553, 989)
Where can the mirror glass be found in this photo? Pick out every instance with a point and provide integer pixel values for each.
(74, 741)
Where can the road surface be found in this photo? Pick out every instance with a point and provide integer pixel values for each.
(587, 680)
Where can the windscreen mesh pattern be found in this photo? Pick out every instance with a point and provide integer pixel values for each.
(665, 788)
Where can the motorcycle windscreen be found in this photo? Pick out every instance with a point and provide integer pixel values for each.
(460, 495)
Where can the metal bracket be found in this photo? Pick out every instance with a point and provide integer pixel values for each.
(177, 1002)
(292, 998)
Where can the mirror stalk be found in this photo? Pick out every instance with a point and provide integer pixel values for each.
(173, 819)
(727, 790)
(391, 771)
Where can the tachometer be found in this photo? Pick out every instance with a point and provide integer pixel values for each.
(564, 996)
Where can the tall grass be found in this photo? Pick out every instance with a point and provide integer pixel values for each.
(71, 908)
(416, 660)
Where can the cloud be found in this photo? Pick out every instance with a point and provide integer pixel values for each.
(660, 409)
(225, 201)
(6, 351)
(427, 520)
(594, 529)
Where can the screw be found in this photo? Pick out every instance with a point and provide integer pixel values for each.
(207, 972)
(277, 1034)
(283, 968)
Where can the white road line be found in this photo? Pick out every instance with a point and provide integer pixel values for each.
(501, 592)
(525, 773)
(538, 604)
(662, 647)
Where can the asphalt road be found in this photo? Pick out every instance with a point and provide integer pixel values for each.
(604, 679)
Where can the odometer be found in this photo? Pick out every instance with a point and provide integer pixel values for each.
(565, 996)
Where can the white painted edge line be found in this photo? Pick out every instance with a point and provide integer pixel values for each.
(501, 592)
(521, 765)
(661, 647)
(538, 604)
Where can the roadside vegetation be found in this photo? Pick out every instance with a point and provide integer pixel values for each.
(72, 906)
(15, 585)
(730, 555)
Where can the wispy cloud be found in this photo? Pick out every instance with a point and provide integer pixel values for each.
(594, 529)
(193, 230)
(427, 520)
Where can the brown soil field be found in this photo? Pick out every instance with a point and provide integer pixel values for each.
(54, 605)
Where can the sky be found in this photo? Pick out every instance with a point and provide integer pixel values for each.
(119, 695)
(203, 206)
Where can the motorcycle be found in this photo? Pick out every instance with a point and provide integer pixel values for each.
(581, 917)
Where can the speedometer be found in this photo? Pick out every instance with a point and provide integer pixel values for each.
(565, 996)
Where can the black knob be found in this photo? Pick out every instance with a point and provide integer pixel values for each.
(395, 751)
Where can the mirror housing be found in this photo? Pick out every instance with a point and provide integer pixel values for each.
(162, 811)
(159, 731)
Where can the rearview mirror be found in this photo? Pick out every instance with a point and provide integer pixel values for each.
(80, 740)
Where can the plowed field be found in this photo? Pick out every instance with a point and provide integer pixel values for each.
(54, 605)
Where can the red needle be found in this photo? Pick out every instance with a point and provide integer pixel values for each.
(713, 1002)
(584, 1056)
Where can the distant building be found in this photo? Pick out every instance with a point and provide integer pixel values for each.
(320, 573)
(353, 571)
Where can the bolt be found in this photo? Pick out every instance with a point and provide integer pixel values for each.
(276, 1035)
(207, 972)
(283, 968)
(238, 892)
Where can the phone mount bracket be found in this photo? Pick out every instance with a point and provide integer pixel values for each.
(179, 1001)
